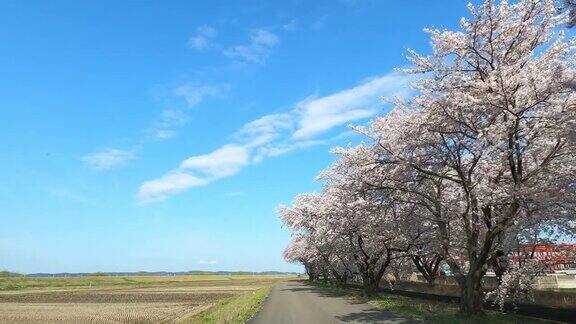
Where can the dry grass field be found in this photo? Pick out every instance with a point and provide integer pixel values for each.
(135, 299)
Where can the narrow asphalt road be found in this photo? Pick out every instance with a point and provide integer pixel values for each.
(295, 302)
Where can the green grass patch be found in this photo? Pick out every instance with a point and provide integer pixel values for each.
(237, 309)
(439, 312)
(429, 311)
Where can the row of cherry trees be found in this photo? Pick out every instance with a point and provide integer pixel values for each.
(481, 158)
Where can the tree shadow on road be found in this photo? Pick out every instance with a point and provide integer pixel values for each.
(324, 291)
(374, 316)
(366, 316)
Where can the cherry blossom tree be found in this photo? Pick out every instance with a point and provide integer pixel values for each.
(481, 158)
(494, 126)
(299, 250)
(317, 244)
(380, 228)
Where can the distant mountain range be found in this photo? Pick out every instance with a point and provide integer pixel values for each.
(157, 273)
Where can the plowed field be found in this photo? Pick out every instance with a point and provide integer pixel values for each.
(119, 300)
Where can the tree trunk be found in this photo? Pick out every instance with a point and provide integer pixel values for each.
(312, 275)
(371, 278)
(499, 266)
(325, 276)
(471, 296)
(428, 268)
(370, 284)
(340, 279)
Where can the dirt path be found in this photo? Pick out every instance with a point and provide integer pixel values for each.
(295, 302)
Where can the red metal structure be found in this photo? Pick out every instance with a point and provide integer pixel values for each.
(555, 256)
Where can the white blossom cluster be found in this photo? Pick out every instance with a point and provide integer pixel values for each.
(517, 283)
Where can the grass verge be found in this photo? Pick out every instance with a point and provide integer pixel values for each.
(237, 309)
(429, 311)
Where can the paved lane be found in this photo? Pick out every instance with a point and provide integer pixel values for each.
(295, 302)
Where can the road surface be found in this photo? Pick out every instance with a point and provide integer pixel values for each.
(295, 302)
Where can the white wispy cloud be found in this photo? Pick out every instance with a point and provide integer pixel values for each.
(223, 162)
(277, 134)
(278, 149)
(192, 95)
(169, 120)
(196, 171)
(202, 39)
(207, 262)
(164, 127)
(108, 158)
(265, 129)
(167, 185)
(317, 115)
(258, 48)
(291, 26)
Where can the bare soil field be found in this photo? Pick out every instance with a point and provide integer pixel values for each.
(120, 300)
(97, 313)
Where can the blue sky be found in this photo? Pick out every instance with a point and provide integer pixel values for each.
(157, 135)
